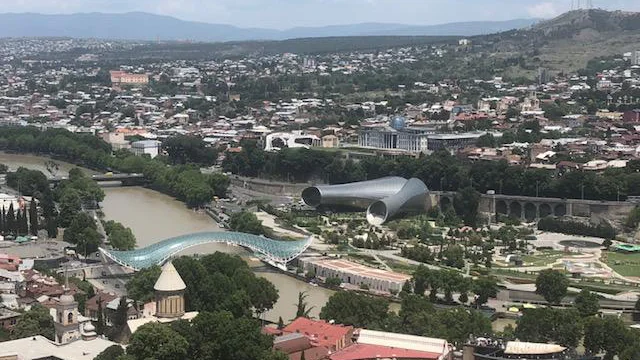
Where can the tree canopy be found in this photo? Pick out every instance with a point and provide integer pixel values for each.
(119, 236)
(552, 285)
(561, 326)
(246, 222)
(36, 321)
(350, 308)
(215, 282)
(587, 303)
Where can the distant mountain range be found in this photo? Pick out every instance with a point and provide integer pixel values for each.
(145, 26)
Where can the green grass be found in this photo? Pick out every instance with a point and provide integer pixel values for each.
(366, 258)
(399, 266)
(543, 258)
(624, 264)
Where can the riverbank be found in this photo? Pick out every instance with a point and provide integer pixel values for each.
(153, 217)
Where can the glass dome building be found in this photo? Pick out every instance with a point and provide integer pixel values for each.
(398, 122)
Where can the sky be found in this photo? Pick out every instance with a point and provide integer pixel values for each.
(283, 14)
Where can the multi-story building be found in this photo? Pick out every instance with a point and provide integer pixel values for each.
(454, 141)
(635, 59)
(124, 78)
(146, 147)
(8, 318)
(388, 138)
(356, 274)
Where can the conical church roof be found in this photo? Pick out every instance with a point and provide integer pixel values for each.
(169, 279)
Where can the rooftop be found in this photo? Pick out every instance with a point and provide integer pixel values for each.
(169, 279)
(365, 271)
(7, 314)
(319, 332)
(38, 347)
(403, 341)
(366, 351)
(526, 348)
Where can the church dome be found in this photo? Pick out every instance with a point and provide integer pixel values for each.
(66, 299)
(88, 327)
(169, 280)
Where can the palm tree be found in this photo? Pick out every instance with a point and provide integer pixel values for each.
(302, 310)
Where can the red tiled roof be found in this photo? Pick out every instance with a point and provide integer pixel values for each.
(365, 351)
(315, 353)
(319, 332)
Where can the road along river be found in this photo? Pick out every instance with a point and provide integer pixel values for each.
(153, 217)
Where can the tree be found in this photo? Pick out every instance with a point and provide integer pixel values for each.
(484, 288)
(33, 218)
(465, 203)
(189, 150)
(486, 140)
(120, 317)
(100, 324)
(140, 286)
(120, 237)
(606, 334)
(82, 232)
(552, 285)
(333, 281)
(157, 341)
(36, 321)
(246, 222)
(301, 307)
(10, 220)
(350, 308)
(561, 326)
(220, 336)
(587, 303)
(110, 353)
(81, 299)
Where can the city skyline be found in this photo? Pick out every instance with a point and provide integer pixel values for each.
(284, 14)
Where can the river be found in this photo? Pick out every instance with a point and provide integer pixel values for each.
(153, 217)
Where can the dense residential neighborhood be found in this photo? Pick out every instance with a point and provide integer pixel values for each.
(346, 198)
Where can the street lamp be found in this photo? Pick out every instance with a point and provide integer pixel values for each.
(537, 187)
(582, 191)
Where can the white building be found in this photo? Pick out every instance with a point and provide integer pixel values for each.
(76, 338)
(356, 274)
(635, 59)
(146, 147)
(278, 141)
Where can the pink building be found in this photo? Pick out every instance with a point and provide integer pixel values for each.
(9, 262)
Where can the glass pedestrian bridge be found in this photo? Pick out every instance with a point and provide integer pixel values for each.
(277, 253)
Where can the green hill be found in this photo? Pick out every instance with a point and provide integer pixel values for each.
(568, 42)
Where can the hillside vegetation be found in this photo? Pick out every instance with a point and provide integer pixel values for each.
(569, 41)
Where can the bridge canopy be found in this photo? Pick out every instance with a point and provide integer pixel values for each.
(280, 252)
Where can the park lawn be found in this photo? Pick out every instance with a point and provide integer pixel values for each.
(399, 266)
(624, 264)
(545, 257)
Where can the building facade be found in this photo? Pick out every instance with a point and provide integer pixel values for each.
(355, 274)
(125, 78)
(387, 138)
(146, 147)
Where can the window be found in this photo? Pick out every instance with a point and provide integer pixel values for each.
(70, 318)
